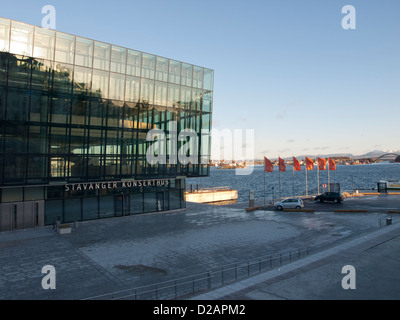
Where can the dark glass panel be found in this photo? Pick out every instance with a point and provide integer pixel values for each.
(113, 114)
(95, 168)
(19, 71)
(3, 68)
(15, 139)
(59, 140)
(37, 140)
(60, 109)
(90, 208)
(53, 211)
(150, 202)
(80, 105)
(136, 205)
(17, 104)
(3, 99)
(98, 109)
(73, 210)
(106, 207)
(14, 168)
(39, 106)
(36, 169)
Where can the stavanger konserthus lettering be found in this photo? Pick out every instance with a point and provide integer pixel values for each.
(117, 184)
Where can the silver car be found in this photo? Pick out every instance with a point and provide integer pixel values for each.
(291, 203)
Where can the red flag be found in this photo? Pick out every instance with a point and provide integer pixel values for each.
(296, 164)
(332, 164)
(282, 166)
(268, 165)
(321, 164)
(309, 164)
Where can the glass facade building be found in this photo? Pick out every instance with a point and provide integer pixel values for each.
(75, 115)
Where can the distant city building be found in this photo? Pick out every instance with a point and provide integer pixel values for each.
(74, 116)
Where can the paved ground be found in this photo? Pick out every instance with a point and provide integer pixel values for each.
(109, 255)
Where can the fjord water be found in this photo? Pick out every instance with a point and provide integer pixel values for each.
(350, 177)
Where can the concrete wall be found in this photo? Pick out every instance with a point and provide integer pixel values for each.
(215, 196)
(21, 215)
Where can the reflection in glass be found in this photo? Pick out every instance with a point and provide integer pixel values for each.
(148, 65)
(147, 91)
(117, 86)
(44, 44)
(174, 72)
(101, 58)
(21, 38)
(118, 59)
(134, 63)
(65, 48)
(42, 74)
(173, 95)
(132, 89)
(186, 79)
(100, 84)
(162, 69)
(84, 52)
(160, 97)
(82, 79)
(4, 35)
(197, 77)
(208, 79)
(62, 78)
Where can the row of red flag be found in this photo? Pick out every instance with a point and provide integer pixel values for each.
(296, 164)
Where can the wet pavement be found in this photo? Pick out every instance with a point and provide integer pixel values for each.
(109, 255)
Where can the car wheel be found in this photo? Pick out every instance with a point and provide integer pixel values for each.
(279, 208)
(298, 207)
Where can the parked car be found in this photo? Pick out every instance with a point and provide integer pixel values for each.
(291, 203)
(329, 196)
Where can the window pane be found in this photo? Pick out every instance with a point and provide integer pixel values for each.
(90, 208)
(186, 97)
(42, 74)
(72, 210)
(132, 89)
(19, 72)
(84, 52)
(4, 35)
(117, 86)
(160, 97)
(207, 98)
(39, 107)
(21, 39)
(208, 79)
(134, 63)
(15, 139)
(60, 109)
(147, 91)
(136, 203)
(118, 59)
(82, 79)
(196, 98)
(186, 74)
(198, 77)
(65, 48)
(148, 66)
(36, 168)
(62, 79)
(53, 211)
(150, 202)
(44, 44)
(106, 207)
(79, 109)
(162, 69)
(100, 84)
(17, 104)
(3, 68)
(101, 56)
(173, 95)
(175, 72)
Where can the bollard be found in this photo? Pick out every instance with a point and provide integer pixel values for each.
(388, 221)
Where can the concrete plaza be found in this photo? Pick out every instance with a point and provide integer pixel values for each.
(104, 256)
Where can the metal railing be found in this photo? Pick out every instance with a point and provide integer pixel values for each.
(211, 279)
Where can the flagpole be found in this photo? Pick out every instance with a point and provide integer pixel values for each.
(264, 186)
(329, 185)
(306, 181)
(293, 178)
(318, 174)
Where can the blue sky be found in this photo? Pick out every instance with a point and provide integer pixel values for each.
(286, 68)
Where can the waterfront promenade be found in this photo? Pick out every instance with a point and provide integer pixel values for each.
(105, 256)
